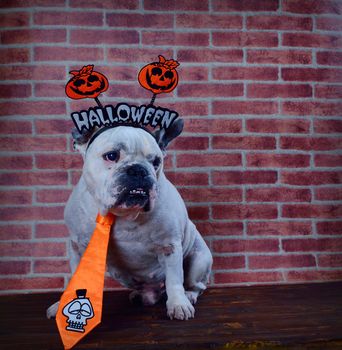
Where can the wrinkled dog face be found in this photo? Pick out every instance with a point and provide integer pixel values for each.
(121, 169)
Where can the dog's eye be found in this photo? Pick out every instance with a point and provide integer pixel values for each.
(112, 156)
(156, 162)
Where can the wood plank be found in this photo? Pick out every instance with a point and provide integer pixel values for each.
(307, 316)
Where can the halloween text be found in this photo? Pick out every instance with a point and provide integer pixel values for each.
(123, 113)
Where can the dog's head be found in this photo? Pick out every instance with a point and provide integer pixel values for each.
(122, 166)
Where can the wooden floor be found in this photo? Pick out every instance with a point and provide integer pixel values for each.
(264, 317)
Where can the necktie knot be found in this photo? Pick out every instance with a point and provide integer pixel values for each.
(105, 220)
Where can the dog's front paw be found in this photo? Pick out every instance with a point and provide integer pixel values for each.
(180, 308)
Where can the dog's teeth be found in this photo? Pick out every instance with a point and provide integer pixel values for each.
(137, 192)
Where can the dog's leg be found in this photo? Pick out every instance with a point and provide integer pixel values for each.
(178, 305)
(197, 266)
(75, 258)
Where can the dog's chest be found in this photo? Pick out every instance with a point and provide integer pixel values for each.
(136, 247)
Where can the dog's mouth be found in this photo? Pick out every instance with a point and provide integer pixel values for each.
(138, 198)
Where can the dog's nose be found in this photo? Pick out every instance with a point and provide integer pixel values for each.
(137, 171)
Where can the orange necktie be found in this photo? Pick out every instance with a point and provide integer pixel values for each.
(80, 307)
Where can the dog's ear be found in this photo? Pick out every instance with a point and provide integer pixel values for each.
(81, 139)
(165, 136)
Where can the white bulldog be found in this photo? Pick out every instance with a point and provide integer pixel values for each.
(154, 247)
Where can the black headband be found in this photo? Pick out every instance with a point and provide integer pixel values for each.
(100, 131)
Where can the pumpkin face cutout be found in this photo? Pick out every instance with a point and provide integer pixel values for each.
(159, 77)
(86, 83)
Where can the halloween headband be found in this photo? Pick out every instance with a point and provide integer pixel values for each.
(157, 77)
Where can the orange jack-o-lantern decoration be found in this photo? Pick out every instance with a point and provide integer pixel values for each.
(159, 77)
(86, 83)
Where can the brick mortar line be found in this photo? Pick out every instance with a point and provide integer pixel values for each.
(263, 283)
(33, 240)
(30, 290)
(281, 270)
(190, 204)
(215, 64)
(186, 30)
(105, 45)
(189, 134)
(217, 255)
(232, 64)
(188, 63)
(277, 220)
(33, 258)
(210, 117)
(268, 151)
(193, 99)
(34, 275)
(282, 238)
(291, 268)
(223, 221)
(177, 29)
(196, 170)
(33, 205)
(279, 254)
(318, 265)
(273, 254)
(30, 222)
(141, 9)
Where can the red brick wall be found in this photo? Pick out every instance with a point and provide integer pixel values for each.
(257, 163)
